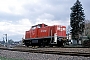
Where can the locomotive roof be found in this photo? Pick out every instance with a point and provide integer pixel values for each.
(39, 25)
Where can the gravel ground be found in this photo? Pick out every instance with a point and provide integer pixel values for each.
(38, 56)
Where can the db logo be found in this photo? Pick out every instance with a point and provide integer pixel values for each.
(43, 30)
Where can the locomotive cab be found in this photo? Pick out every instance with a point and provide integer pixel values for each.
(58, 33)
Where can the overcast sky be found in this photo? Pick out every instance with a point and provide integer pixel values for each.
(17, 16)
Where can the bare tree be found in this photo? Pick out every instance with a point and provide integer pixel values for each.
(68, 31)
(87, 28)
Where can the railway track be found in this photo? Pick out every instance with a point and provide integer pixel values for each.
(48, 51)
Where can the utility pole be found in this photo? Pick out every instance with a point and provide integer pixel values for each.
(6, 39)
(3, 41)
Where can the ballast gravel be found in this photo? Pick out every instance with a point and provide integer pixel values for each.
(38, 56)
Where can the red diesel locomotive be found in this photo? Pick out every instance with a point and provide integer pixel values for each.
(44, 35)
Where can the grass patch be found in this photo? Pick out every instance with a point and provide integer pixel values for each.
(4, 58)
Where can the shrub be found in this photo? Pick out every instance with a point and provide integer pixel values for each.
(86, 43)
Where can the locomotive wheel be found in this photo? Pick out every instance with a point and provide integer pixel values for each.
(27, 45)
(44, 43)
(59, 44)
(51, 45)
